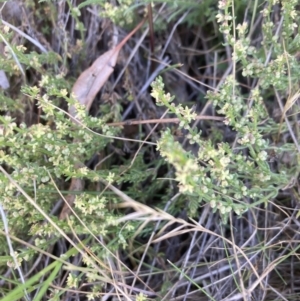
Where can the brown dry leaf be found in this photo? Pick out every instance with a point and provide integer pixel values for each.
(76, 185)
(85, 89)
(92, 79)
(289, 103)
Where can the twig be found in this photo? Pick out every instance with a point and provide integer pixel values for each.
(166, 120)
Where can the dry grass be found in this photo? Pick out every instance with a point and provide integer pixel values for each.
(252, 258)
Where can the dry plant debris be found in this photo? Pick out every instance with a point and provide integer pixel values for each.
(139, 229)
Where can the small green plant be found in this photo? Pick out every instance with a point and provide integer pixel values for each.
(41, 157)
(41, 149)
(239, 177)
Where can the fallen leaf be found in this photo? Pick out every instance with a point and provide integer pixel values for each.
(76, 185)
(92, 79)
(84, 90)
